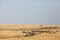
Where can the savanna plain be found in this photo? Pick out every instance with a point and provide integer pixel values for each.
(29, 32)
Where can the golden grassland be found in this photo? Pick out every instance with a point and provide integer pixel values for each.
(29, 32)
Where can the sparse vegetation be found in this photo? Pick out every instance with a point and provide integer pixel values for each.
(28, 32)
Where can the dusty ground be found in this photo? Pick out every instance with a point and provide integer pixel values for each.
(29, 32)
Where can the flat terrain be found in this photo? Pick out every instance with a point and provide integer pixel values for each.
(29, 32)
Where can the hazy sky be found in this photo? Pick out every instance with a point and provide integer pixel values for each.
(30, 11)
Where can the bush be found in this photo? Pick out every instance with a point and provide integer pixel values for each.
(29, 34)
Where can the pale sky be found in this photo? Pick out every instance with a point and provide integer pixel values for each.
(29, 11)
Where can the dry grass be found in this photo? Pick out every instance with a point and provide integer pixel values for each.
(29, 32)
